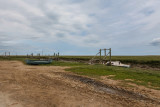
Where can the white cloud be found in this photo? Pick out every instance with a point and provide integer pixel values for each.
(156, 42)
(82, 23)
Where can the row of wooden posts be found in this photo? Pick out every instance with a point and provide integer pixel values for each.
(7, 54)
(55, 55)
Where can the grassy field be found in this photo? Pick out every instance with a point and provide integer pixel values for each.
(132, 58)
(19, 58)
(138, 59)
(70, 64)
(152, 61)
(149, 78)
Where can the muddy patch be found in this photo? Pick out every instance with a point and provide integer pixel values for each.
(101, 87)
(49, 86)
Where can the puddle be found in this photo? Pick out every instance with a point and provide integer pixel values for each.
(108, 90)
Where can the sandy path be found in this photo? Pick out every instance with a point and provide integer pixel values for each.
(43, 86)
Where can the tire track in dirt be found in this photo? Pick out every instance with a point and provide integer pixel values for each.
(99, 86)
(50, 86)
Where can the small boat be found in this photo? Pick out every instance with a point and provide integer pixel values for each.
(119, 64)
(37, 62)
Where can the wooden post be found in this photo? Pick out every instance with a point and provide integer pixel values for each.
(100, 55)
(58, 55)
(105, 56)
(105, 52)
(5, 54)
(110, 55)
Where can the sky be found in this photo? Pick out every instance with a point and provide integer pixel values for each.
(80, 27)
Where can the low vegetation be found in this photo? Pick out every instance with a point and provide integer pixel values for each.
(149, 77)
(62, 63)
(152, 61)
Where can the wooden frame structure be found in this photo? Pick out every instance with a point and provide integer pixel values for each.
(102, 58)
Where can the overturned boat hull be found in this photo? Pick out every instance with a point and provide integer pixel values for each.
(38, 62)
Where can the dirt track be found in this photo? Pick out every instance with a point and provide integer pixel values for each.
(44, 86)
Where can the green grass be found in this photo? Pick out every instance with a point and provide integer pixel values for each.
(131, 58)
(149, 78)
(70, 64)
(54, 63)
(141, 77)
(152, 61)
(19, 58)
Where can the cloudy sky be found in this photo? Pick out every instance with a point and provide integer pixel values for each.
(80, 27)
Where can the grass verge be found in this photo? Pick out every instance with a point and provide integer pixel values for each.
(61, 63)
(140, 77)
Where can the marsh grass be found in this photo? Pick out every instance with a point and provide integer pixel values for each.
(70, 64)
(149, 78)
(141, 77)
